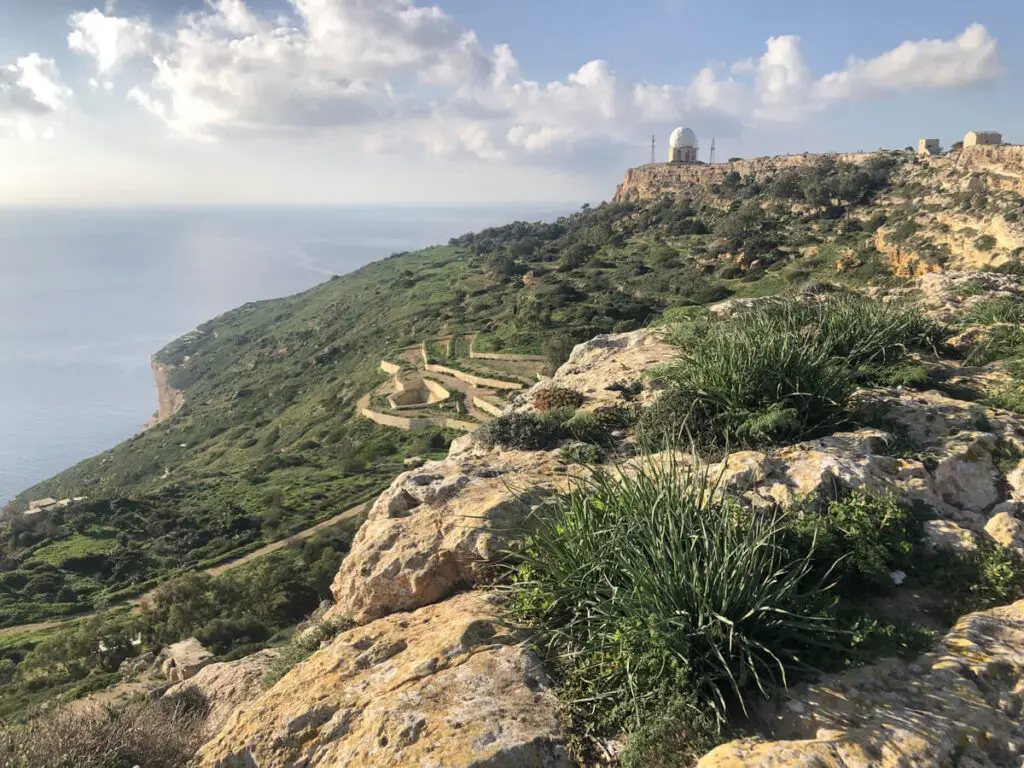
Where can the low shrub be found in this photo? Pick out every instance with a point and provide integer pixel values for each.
(860, 540)
(528, 431)
(550, 398)
(989, 576)
(154, 734)
(985, 243)
(643, 583)
(1009, 398)
(524, 431)
(582, 453)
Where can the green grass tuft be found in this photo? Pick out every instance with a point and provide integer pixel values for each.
(783, 369)
(642, 583)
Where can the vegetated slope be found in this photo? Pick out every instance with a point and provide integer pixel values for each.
(269, 441)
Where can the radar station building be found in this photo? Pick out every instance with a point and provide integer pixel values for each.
(682, 146)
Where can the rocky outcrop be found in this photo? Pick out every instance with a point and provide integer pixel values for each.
(229, 687)
(959, 459)
(436, 527)
(433, 677)
(168, 399)
(611, 369)
(960, 705)
(948, 295)
(654, 181)
(182, 661)
(447, 686)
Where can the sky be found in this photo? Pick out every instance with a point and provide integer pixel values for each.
(302, 102)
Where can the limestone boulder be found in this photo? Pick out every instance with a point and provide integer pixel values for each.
(946, 535)
(960, 705)
(1007, 529)
(229, 687)
(447, 686)
(182, 661)
(610, 369)
(434, 531)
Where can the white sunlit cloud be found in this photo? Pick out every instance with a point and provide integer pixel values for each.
(31, 91)
(398, 74)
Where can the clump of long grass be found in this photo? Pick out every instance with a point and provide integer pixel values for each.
(784, 368)
(643, 585)
(996, 310)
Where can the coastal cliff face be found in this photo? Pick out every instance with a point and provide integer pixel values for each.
(168, 399)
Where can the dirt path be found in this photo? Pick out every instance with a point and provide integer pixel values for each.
(217, 571)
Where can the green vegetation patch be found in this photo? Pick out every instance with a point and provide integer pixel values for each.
(663, 607)
(783, 369)
(76, 547)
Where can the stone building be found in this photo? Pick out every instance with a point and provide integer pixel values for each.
(983, 138)
(928, 147)
(682, 146)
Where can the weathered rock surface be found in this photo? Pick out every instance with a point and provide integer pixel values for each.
(229, 687)
(949, 294)
(183, 660)
(609, 369)
(432, 531)
(447, 686)
(958, 706)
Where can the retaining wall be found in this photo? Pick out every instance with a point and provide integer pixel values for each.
(469, 378)
(418, 422)
(487, 406)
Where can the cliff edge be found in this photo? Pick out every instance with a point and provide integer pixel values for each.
(168, 399)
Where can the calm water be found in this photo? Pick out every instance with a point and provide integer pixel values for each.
(86, 297)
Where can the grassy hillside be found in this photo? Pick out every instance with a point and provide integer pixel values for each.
(269, 442)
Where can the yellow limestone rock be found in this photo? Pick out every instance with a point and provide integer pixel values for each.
(958, 706)
(428, 535)
(447, 686)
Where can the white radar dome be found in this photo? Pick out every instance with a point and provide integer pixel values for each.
(682, 137)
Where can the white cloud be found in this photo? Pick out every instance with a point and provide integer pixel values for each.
(392, 73)
(32, 85)
(110, 40)
(970, 58)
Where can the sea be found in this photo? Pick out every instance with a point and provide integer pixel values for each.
(86, 296)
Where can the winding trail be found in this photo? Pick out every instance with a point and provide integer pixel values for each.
(145, 598)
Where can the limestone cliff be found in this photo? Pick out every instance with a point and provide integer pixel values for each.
(168, 399)
(963, 210)
(653, 181)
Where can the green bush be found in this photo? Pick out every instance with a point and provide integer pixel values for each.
(783, 369)
(524, 431)
(550, 398)
(985, 243)
(991, 575)
(860, 540)
(1009, 398)
(302, 646)
(582, 453)
(642, 584)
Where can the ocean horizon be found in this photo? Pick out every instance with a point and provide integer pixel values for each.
(88, 294)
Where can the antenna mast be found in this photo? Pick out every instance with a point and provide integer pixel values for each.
(712, 152)
(653, 155)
